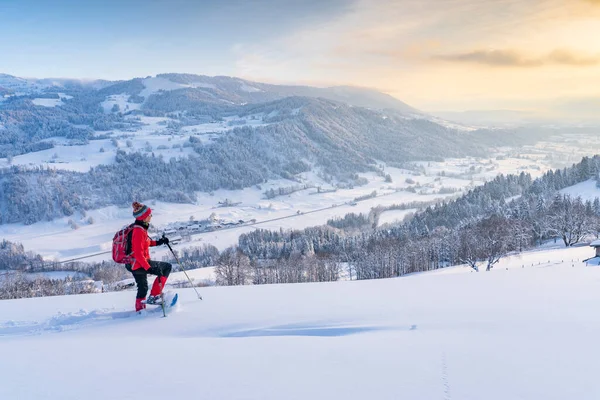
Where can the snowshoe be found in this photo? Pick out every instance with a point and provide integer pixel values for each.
(155, 300)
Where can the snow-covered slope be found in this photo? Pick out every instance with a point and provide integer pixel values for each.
(587, 190)
(14, 84)
(121, 100)
(17, 85)
(21, 85)
(526, 332)
(156, 84)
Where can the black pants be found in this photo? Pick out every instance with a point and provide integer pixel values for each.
(140, 275)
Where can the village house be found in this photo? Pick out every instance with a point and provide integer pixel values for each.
(596, 245)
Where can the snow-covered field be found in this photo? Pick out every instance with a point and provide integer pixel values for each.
(517, 332)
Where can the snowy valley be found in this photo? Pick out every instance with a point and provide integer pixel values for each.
(78, 211)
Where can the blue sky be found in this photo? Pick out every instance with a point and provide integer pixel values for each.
(120, 39)
(433, 54)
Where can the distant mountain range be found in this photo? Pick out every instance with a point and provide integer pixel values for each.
(267, 132)
(206, 88)
(33, 110)
(568, 112)
(488, 117)
(236, 91)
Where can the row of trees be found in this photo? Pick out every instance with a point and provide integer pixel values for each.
(22, 274)
(303, 256)
(235, 268)
(18, 285)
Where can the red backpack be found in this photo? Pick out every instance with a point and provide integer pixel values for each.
(121, 245)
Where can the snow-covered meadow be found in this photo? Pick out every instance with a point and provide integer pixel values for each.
(587, 190)
(526, 330)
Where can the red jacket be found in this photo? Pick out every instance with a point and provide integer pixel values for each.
(140, 247)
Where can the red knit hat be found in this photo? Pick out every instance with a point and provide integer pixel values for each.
(140, 211)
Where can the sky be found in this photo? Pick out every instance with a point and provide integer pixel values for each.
(450, 55)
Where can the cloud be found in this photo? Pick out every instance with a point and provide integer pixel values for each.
(569, 58)
(434, 54)
(514, 58)
(491, 57)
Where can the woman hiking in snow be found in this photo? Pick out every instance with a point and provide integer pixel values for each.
(142, 265)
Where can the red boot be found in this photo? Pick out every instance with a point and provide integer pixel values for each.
(139, 306)
(158, 285)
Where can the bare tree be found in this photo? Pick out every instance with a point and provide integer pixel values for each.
(322, 269)
(494, 237)
(521, 234)
(233, 268)
(568, 219)
(469, 249)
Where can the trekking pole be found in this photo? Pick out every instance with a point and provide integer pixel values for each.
(183, 269)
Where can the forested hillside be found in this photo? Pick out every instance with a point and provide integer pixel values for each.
(296, 134)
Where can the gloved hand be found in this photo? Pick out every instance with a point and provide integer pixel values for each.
(162, 240)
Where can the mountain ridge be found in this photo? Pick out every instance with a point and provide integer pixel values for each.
(357, 96)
